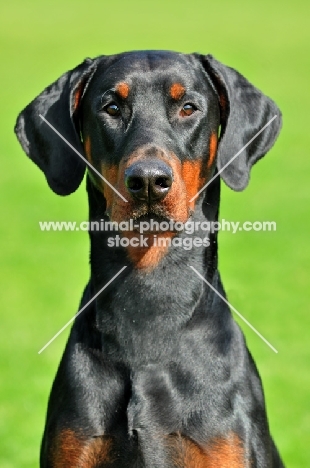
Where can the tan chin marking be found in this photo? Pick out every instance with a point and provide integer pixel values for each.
(147, 258)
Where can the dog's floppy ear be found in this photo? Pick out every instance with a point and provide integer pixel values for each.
(58, 104)
(244, 112)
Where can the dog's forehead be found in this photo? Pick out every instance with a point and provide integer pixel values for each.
(150, 68)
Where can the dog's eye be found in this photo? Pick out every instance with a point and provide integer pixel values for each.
(112, 109)
(187, 110)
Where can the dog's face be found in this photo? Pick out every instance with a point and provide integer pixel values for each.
(149, 123)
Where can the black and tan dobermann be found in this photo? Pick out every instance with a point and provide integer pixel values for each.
(155, 373)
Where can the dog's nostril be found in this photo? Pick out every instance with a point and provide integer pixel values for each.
(163, 182)
(134, 183)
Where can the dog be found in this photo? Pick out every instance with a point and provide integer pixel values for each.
(155, 372)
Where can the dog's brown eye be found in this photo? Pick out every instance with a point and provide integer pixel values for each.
(187, 110)
(113, 110)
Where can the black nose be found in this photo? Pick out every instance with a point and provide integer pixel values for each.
(148, 180)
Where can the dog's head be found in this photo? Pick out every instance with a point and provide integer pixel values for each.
(155, 126)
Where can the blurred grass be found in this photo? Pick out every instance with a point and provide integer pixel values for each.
(265, 274)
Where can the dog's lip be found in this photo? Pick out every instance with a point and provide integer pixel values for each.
(148, 218)
(136, 219)
(151, 216)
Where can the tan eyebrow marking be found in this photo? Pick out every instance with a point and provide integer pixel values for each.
(177, 91)
(123, 90)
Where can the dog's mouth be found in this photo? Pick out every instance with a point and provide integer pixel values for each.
(151, 220)
(152, 223)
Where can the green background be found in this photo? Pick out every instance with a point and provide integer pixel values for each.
(265, 274)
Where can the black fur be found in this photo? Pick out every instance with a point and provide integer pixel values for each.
(157, 355)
